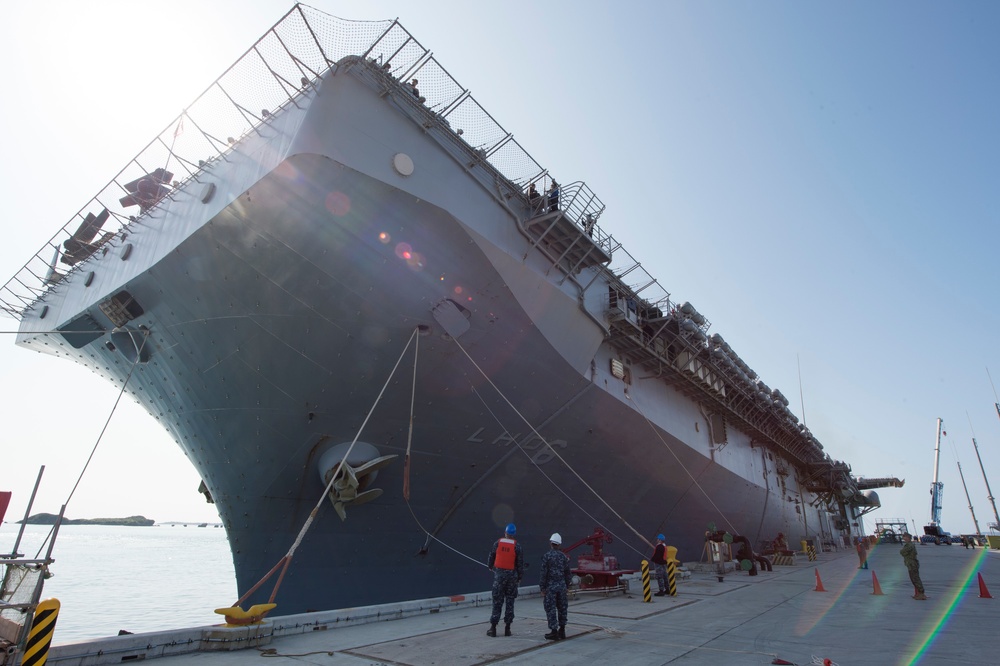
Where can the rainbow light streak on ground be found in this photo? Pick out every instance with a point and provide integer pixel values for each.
(932, 627)
(822, 603)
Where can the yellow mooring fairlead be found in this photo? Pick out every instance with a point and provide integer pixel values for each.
(36, 651)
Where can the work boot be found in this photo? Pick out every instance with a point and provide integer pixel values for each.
(920, 597)
(661, 593)
(562, 632)
(492, 631)
(506, 629)
(552, 635)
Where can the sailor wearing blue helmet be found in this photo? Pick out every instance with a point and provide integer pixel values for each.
(506, 561)
(660, 564)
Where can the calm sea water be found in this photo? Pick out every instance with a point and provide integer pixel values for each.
(134, 578)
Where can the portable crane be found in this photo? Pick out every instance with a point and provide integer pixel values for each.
(937, 491)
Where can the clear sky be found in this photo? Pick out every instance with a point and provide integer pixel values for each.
(819, 179)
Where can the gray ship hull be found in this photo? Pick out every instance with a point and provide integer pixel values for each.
(276, 325)
(313, 278)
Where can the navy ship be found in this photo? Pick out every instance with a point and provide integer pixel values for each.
(381, 331)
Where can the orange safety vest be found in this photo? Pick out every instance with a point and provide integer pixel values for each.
(505, 554)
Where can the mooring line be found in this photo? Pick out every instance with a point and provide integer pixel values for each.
(686, 470)
(549, 478)
(554, 452)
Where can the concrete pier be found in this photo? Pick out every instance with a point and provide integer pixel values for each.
(776, 617)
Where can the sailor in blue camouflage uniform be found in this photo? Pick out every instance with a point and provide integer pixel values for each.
(506, 561)
(553, 582)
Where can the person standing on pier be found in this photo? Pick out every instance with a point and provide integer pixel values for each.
(909, 553)
(660, 564)
(506, 561)
(555, 579)
(861, 545)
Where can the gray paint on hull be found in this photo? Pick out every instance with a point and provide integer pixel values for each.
(290, 302)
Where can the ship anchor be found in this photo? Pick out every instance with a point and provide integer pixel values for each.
(350, 483)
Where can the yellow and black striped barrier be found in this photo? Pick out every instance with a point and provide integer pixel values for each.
(36, 650)
(671, 578)
(784, 560)
(647, 596)
(812, 553)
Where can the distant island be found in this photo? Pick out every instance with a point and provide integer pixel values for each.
(50, 519)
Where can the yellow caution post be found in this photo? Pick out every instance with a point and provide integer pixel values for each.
(36, 651)
(646, 595)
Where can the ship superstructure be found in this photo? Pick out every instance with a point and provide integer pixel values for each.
(323, 255)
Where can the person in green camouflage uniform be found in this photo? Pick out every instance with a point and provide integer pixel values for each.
(909, 553)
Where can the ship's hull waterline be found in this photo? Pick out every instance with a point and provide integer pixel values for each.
(270, 328)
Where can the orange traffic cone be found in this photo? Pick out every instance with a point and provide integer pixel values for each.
(877, 589)
(983, 592)
(819, 583)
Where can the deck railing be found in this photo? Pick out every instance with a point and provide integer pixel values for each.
(278, 71)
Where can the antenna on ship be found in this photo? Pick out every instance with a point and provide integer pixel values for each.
(802, 400)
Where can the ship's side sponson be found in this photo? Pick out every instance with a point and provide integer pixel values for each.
(372, 145)
(162, 229)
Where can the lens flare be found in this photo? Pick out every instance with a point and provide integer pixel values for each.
(338, 203)
(415, 261)
(287, 170)
(946, 609)
(403, 250)
(384, 237)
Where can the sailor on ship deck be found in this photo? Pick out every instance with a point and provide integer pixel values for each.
(533, 198)
(553, 196)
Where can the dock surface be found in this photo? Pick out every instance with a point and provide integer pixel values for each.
(775, 617)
